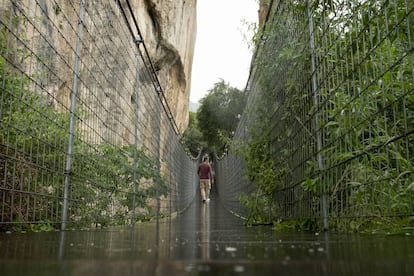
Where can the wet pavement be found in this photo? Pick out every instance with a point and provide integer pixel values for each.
(204, 240)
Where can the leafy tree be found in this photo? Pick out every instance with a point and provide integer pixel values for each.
(193, 138)
(218, 115)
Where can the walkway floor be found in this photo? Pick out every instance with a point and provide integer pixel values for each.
(205, 240)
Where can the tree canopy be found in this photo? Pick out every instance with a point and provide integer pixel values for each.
(217, 115)
(193, 138)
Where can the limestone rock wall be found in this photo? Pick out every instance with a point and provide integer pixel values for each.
(168, 28)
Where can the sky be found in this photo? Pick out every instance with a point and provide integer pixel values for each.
(221, 50)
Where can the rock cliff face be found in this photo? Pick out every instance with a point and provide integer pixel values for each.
(168, 28)
(263, 10)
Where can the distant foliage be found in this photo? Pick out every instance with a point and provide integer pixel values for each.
(218, 116)
(192, 137)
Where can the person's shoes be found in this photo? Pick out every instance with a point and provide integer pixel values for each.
(204, 200)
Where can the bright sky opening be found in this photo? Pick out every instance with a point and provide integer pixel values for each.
(221, 50)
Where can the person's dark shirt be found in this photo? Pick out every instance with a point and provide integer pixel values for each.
(204, 171)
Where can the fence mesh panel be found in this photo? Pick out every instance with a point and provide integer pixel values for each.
(81, 107)
(330, 114)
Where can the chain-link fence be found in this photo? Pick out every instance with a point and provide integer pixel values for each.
(86, 135)
(328, 133)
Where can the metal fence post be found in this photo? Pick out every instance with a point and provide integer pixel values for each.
(68, 169)
(158, 179)
(136, 108)
(315, 92)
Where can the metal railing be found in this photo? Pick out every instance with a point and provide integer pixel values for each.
(86, 134)
(330, 115)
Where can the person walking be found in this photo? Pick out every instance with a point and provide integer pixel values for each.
(205, 174)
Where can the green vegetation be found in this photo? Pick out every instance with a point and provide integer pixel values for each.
(33, 150)
(364, 118)
(192, 137)
(103, 178)
(218, 116)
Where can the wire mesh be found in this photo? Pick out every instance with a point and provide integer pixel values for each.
(86, 135)
(331, 113)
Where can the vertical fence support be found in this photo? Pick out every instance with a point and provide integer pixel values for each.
(315, 92)
(158, 180)
(172, 180)
(68, 169)
(136, 108)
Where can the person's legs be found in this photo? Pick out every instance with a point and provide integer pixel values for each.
(208, 188)
(203, 186)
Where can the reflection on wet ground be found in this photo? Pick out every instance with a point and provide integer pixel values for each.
(204, 240)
